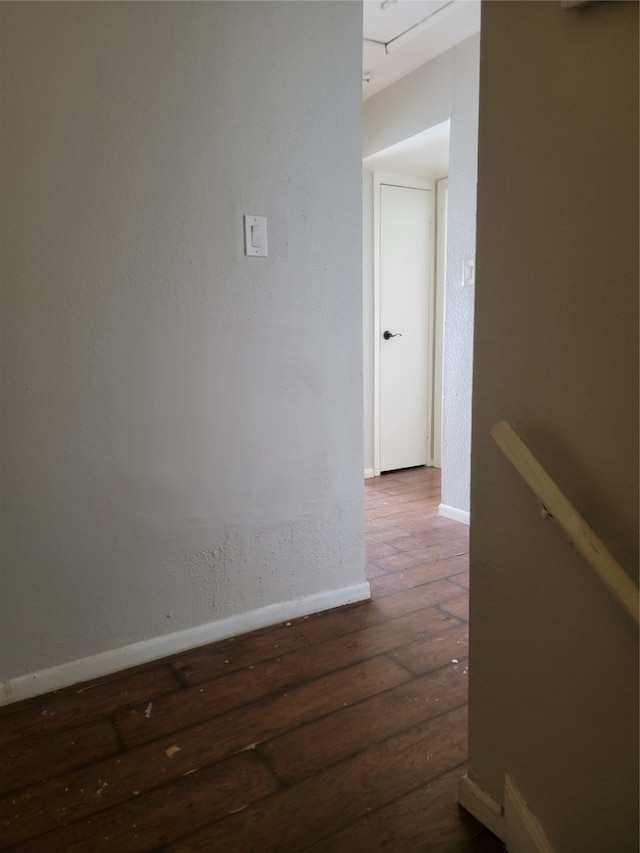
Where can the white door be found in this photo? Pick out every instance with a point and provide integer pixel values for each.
(406, 320)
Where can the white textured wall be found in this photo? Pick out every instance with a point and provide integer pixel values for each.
(418, 101)
(457, 366)
(554, 659)
(446, 87)
(182, 434)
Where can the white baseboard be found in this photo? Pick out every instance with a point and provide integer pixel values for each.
(514, 823)
(106, 663)
(454, 514)
(482, 806)
(368, 473)
(523, 833)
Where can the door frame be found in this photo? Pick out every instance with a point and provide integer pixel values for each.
(442, 193)
(411, 182)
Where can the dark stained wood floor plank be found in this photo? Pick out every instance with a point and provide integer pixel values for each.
(412, 475)
(437, 650)
(458, 607)
(392, 510)
(338, 731)
(291, 820)
(159, 763)
(383, 532)
(403, 522)
(427, 819)
(213, 661)
(293, 707)
(395, 604)
(397, 582)
(462, 580)
(434, 592)
(314, 747)
(84, 792)
(380, 549)
(422, 484)
(373, 571)
(70, 708)
(423, 539)
(22, 762)
(412, 524)
(403, 495)
(375, 484)
(147, 821)
(220, 659)
(384, 508)
(212, 698)
(429, 553)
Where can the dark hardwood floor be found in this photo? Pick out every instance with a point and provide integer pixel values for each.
(341, 731)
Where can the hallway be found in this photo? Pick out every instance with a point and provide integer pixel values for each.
(342, 731)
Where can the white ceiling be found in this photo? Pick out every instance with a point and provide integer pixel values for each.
(401, 35)
(425, 154)
(384, 21)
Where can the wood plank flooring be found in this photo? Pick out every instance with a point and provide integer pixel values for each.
(342, 731)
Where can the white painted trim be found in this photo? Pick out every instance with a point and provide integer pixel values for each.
(454, 513)
(523, 833)
(368, 473)
(442, 196)
(482, 806)
(106, 663)
(380, 178)
(556, 506)
(376, 324)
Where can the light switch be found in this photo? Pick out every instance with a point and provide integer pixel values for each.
(469, 273)
(255, 236)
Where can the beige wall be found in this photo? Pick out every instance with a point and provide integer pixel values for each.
(554, 660)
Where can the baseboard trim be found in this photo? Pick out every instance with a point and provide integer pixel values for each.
(482, 806)
(454, 514)
(523, 833)
(368, 473)
(106, 663)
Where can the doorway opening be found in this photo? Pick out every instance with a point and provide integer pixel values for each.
(405, 192)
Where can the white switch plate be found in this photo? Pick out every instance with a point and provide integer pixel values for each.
(469, 273)
(255, 236)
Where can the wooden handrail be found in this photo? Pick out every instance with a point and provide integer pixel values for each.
(573, 524)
